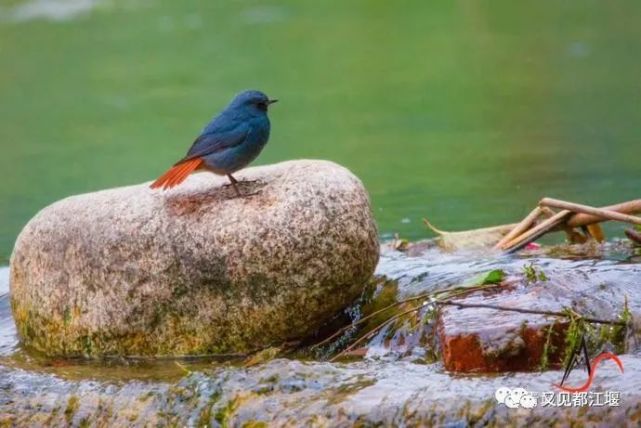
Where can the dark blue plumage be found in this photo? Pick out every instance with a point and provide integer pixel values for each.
(228, 143)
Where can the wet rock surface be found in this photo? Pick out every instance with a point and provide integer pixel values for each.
(496, 340)
(194, 270)
(291, 393)
(598, 282)
(392, 386)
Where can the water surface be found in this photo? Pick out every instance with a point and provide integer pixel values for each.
(464, 112)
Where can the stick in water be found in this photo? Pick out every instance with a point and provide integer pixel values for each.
(586, 209)
(537, 231)
(629, 207)
(524, 225)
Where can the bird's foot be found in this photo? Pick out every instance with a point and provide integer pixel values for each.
(237, 191)
(241, 182)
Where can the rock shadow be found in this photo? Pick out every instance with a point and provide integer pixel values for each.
(194, 203)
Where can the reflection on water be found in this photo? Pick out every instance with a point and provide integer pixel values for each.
(8, 338)
(55, 10)
(4, 280)
(464, 112)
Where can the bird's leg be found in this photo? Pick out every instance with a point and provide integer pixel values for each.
(233, 184)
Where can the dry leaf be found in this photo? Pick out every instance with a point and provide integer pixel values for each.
(470, 239)
(596, 232)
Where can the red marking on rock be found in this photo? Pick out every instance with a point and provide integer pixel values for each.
(490, 340)
(466, 353)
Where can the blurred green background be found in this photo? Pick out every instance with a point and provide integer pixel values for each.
(464, 112)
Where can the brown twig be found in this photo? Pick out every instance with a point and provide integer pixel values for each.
(537, 231)
(633, 235)
(586, 209)
(547, 212)
(528, 311)
(629, 207)
(524, 225)
(579, 219)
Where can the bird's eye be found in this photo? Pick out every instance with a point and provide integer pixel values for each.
(262, 105)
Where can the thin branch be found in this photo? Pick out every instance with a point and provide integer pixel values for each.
(579, 217)
(529, 311)
(537, 231)
(547, 212)
(629, 207)
(633, 235)
(586, 209)
(524, 225)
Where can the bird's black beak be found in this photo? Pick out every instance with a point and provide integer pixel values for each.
(272, 101)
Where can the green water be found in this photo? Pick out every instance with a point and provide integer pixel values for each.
(464, 112)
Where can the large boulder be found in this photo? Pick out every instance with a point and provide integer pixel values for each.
(194, 270)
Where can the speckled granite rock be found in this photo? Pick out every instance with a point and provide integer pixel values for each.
(194, 270)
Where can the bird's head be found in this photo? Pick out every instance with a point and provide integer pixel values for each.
(254, 102)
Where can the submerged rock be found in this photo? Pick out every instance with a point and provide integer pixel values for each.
(194, 270)
(285, 393)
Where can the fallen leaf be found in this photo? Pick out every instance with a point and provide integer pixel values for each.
(596, 232)
(470, 239)
(493, 277)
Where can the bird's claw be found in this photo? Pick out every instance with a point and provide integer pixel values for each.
(235, 184)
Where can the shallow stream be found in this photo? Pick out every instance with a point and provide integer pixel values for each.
(391, 384)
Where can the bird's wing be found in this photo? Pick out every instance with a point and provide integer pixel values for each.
(215, 141)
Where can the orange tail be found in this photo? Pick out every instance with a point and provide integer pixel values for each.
(177, 174)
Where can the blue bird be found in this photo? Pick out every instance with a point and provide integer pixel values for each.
(231, 141)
